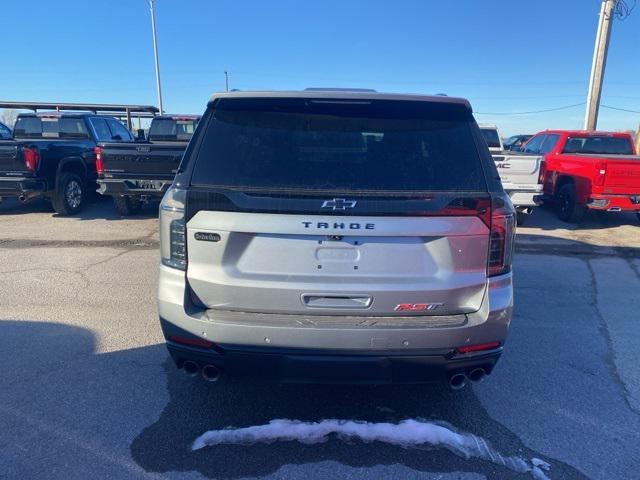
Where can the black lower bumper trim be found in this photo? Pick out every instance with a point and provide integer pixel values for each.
(315, 367)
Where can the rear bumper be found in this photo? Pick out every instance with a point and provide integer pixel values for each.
(16, 186)
(330, 354)
(524, 197)
(618, 203)
(131, 187)
(334, 368)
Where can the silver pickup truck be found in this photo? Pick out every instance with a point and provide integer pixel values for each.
(520, 173)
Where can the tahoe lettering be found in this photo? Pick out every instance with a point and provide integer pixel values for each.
(340, 225)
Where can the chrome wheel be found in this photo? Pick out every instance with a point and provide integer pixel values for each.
(73, 194)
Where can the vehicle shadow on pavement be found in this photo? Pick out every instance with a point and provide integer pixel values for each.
(97, 207)
(96, 410)
(545, 218)
(196, 406)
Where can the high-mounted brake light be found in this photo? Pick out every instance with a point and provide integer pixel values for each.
(31, 158)
(601, 173)
(501, 238)
(98, 153)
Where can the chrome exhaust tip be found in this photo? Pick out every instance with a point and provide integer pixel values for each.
(22, 198)
(190, 368)
(477, 375)
(211, 373)
(457, 381)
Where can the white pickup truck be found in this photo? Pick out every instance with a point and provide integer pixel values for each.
(520, 173)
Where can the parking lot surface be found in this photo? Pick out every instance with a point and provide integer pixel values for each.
(89, 391)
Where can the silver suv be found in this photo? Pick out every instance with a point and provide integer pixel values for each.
(336, 236)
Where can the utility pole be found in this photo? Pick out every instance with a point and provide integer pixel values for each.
(155, 55)
(226, 81)
(599, 60)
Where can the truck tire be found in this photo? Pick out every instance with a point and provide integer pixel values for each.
(126, 206)
(569, 210)
(521, 217)
(68, 197)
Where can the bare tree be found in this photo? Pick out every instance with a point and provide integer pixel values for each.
(9, 116)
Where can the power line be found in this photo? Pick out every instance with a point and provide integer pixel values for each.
(620, 109)
(533, 111)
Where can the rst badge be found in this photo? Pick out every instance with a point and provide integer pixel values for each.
(417, 307)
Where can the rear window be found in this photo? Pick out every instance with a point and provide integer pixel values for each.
(169, 129)
(50, 127)
(491, 137)
(325, 145)
(603, 145)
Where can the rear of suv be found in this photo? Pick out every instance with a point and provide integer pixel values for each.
(336, 237)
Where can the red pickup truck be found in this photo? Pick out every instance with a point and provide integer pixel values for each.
(588, 170)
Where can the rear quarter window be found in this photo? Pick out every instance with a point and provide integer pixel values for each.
(325, 145)
(51, 127)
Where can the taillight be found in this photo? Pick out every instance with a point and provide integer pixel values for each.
(173, 249)
(98, 153)
(31, 158)
(601, 173)
(502, 236)
(543, 170)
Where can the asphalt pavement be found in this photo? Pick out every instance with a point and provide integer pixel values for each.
(88, 390)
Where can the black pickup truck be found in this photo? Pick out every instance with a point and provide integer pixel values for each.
(134, 173)
(53, 155)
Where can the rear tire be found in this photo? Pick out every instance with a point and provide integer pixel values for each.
(126, 206)
(569, 210)
(68, 197)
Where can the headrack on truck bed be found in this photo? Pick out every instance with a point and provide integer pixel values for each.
(114, 110)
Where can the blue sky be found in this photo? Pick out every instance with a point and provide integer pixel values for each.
(505, 56)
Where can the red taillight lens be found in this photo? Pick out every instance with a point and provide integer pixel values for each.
(31, 158)
(543, 170)
(98, 152)
(478, 348)
(601, 173)
(191, 341)
(501, 238)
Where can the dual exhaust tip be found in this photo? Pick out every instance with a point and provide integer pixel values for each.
(459, 379)
(210, 373)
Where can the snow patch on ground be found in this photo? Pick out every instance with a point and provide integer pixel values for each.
(407, 433)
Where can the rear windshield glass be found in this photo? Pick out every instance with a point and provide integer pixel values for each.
(599, 145)
(50, 127)
(324, 145)
(169, 129)
(491, 137)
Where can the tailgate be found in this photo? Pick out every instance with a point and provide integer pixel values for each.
(518, 169)
(146, 159)
(623, 175)
(11, 159)
(337, 265)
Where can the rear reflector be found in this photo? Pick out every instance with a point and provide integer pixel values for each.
(191, 341)
(478, 348)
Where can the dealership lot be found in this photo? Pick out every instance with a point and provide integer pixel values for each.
(89, 389)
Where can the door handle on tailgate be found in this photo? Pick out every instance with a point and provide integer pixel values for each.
(336, 301)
